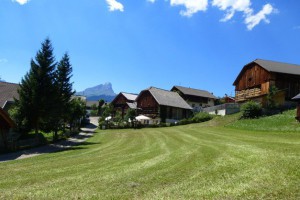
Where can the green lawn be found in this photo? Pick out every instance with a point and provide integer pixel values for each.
(198, 161)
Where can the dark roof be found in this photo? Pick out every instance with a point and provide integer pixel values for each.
(8, 91)
(168, 98)
(194, 92)
(273, 66)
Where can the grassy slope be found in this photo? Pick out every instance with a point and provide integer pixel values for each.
(284, 122)
(202, 161)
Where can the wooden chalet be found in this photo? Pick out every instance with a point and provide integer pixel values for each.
(163, 105)
(197, 99)
(256, 78)
(123, 101)
(6, 123)
(8, 91)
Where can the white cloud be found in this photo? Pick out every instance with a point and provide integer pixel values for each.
(151, 1)
(22, 2)
(192, 6)
(232, 6)
(115, 5)
(251, 20)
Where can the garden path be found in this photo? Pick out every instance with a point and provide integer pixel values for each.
(75, 140)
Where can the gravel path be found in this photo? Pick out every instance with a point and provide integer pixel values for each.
(86, 133)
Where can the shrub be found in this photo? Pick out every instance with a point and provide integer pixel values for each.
(94, 113)
(201, 117)
(251, 110)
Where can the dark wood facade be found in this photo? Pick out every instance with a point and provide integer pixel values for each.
(5, 124)
(254, 82)
(120, 104)
(147, 105)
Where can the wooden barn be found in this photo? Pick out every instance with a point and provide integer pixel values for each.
(196, 98)
(256, 78)
(123, 101)
(163, 105)
(6, 124)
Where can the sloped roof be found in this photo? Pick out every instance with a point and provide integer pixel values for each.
(273, 66)
(132, 105)
(8, 91)
(168, 98)
(130, 96)
(195, 92)
(280, 67)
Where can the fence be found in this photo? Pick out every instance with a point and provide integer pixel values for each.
(223, 109)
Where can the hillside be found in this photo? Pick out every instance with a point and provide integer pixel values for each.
(102, 91)
(284, 122)
(196, 161)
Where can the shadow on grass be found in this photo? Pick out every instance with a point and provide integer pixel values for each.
(51, 148)
(76, 142)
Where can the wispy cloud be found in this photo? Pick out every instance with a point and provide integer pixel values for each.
(21, 2)
(231, 7)
(3, 60)
(251, 20)
(115, 5)
(192, 6)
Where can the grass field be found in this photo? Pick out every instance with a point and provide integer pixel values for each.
(198, 161)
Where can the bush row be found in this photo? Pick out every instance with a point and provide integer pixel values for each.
(198, 118)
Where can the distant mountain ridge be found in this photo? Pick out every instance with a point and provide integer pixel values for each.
(102, 91)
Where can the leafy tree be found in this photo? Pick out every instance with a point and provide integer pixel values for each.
(76, 112)
(130, 114)
(107, 111)
(100, 104)
(94, 110)
(37, 89)
(273, 90)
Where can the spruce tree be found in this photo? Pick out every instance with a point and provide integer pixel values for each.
(37, 91)
(64, 87)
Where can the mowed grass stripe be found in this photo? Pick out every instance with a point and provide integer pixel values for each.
(186, 162)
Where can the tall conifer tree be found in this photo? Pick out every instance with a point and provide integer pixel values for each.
(38, 91)
(64, 87)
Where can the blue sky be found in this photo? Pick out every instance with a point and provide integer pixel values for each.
(136, 44)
